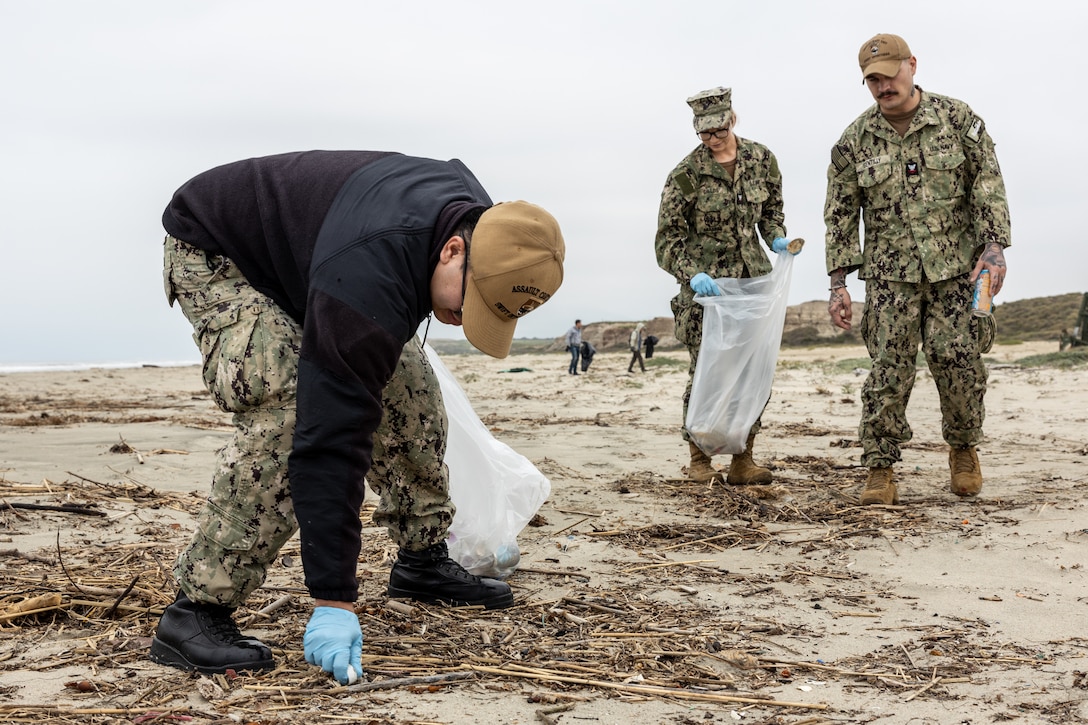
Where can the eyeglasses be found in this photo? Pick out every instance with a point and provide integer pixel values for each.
(716, 133)
(464, 282)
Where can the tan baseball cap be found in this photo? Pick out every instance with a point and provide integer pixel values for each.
(516, 260)
(713, 108)
(882, 54)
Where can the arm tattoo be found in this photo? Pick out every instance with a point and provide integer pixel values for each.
(994, 255)
(838, 279)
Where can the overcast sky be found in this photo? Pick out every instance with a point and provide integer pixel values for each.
(577, 106)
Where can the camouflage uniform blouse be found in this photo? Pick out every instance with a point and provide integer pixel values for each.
(707, 221)
(930, 199)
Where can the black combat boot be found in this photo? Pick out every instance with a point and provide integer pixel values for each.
(203, 637)
(432, 576)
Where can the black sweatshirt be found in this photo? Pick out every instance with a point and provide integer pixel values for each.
(345, 242)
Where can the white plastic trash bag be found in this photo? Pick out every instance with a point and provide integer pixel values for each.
(742, 332)
(496, 489)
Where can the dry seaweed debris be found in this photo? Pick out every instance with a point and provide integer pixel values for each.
(126, 407)
(818, 509)
(87, 607)
(610, 642)
(607, 643)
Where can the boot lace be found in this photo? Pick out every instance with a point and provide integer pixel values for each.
(879, 478)
(222, 627)
(963, 461)
(454, 569)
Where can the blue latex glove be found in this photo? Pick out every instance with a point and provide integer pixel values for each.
(704, 285)
(334, 640)
(780, 244)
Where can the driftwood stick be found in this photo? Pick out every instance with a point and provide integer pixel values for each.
(592, 605)
(572, 618)
(278, 604)
(13, 510)
(400, 607)
(649, 690)
(411, 681)
(60, 560)
(571, 526)
(88, 591)
(40, 603)
(28, 557)
(88, 480)
(120, 607)
(668, 564)
(112, 610)
(768, 662)
(552, 572)
(67, 508)
(45, 607)
(544, 714)
(389, 684)
(935, 681)
(266, 610)
(694, 542)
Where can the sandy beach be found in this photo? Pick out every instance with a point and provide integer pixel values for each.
(641, 597)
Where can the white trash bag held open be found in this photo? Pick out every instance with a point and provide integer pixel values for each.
(742, 332)
(496, 489)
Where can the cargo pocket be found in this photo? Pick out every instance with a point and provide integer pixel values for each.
(876, 182)
(167, 266)
(689, 327)
(223, 340)
(946, 189)
(232, 534)
(985, 331)
(250, 356)
(756, 194)
(185, 269)
(864, 327)
(947, 180)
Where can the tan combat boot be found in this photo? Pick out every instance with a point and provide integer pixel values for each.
(744, 471)
(701, 469)
(880, 488)
(966, 472)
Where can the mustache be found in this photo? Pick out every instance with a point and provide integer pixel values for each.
(887, 94)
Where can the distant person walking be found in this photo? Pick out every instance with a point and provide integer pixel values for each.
(574, 346)
(588, 351)
(635, 343)
(919, 173)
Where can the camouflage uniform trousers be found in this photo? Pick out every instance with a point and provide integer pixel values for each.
(898, 317)
(689, 330)
(250, 349)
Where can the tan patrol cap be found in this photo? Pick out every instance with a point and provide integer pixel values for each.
(882, 54)
(516, 260)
